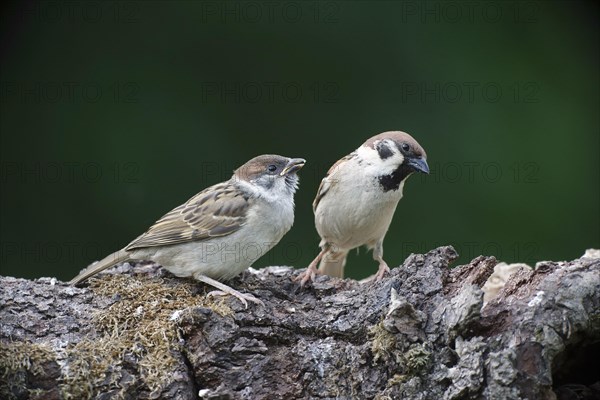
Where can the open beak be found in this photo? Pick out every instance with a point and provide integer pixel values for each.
(419, 164)
(294, 165)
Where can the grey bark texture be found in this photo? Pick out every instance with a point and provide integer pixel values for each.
(421, 333)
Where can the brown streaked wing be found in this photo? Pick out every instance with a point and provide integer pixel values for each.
(329, 180)
(216, 211)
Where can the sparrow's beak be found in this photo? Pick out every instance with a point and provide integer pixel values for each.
(294, 165)
(419, 164)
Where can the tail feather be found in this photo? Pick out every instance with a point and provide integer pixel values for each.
(106, 262)
(332, 264)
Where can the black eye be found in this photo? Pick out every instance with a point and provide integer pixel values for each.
(405, 147)
(272, 168)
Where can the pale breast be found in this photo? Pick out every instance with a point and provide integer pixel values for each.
(351, 215)
(227, 256)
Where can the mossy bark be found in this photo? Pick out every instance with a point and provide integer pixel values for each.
(421, 333)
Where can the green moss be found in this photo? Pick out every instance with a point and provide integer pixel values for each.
(37, 393)
(17, 360)
(136, 332)
(417, 359)
(385, 346)
(405, 359)
(383, 343)
(397, 379)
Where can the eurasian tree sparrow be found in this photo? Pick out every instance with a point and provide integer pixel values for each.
(357, 198)
(222, 230)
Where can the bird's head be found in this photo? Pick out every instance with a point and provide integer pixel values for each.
(271, 174)
(396, 149)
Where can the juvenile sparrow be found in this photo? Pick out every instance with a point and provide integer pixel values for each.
(357, 198)
(222, 230)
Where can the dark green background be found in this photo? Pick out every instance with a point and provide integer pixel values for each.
(502, 95)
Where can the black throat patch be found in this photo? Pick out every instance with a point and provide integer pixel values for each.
(392, 181)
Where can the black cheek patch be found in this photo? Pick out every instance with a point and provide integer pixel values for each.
(266, 183)
(384, 151)
(392, 181)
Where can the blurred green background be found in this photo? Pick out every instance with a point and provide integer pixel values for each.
(114, 113)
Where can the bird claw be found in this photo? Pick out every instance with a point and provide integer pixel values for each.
(224, 290)
(306, 276)
(381, 273)
(243, 297)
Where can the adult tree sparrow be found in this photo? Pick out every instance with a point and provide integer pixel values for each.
(357, 198)
(222, 230)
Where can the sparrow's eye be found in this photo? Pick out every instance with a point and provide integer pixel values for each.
(405, 147)
(272, 168)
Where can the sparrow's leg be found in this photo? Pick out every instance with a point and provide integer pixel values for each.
(333, 263)
(383, 267)
(224, 289)
(378, 256)
(311, 271)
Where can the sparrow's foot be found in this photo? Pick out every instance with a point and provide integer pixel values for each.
(311, 271)
(306, 276)
(224, 290)
(381, 272)
(243, 297)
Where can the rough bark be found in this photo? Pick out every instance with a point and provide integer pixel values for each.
(421, 333)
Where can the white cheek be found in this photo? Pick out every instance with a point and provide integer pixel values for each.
(277, 191)
(392, 163)
(249, 187)
(368, 154)
(375, 165)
